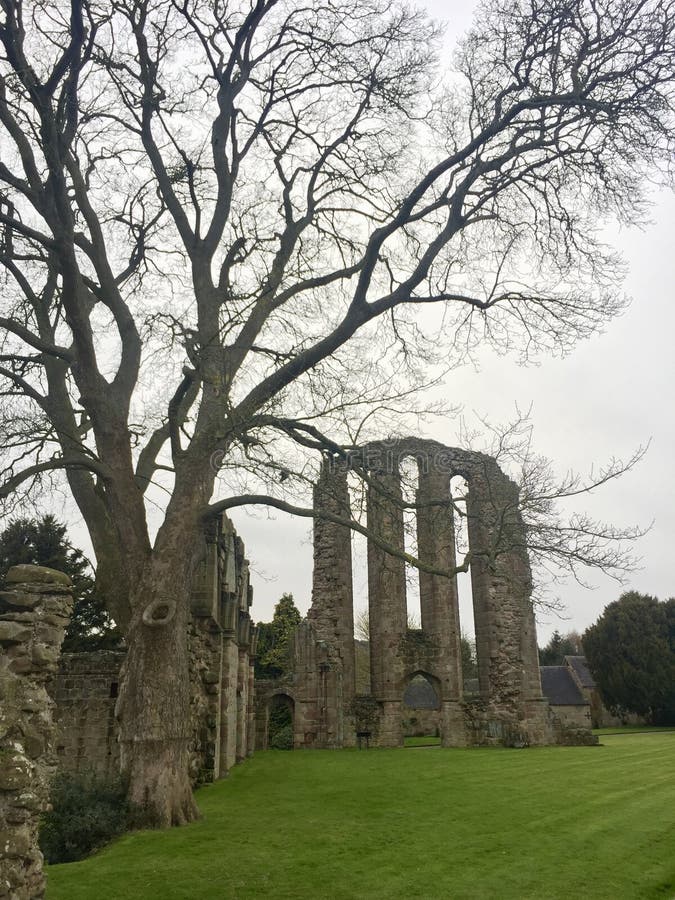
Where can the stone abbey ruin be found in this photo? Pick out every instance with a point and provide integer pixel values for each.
(230, 710)
(230, 713)
(321, 692)
(222, 643)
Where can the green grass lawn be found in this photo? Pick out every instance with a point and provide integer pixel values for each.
(426, 740)
(632, 729)
(555, 822)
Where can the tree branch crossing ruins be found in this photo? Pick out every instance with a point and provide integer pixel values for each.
(212, 214)
(229, 715)
(226, 721)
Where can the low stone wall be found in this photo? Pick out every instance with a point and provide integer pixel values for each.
(85, 691)
(574, 716)
(34, 611)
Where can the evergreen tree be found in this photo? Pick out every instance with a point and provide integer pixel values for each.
(560, 646)
(631, 653)
(274, 639)
(43, 542)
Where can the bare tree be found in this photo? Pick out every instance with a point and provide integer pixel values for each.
(221, 209)
(562, 541)
(362, 624)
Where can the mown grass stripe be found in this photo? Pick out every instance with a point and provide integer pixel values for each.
(559, 822)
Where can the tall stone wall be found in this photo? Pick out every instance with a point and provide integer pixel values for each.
(439, 598)
(506, 641)
(387, 614)
(509, 707)
(221, 644)
(34, 611)
(332, 610)
(322, 689)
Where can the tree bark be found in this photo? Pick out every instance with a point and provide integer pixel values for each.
(153, 709)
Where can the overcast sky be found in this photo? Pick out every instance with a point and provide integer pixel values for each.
(610, 395)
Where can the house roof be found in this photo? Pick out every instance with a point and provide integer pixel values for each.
(560, 688)
(581, 671)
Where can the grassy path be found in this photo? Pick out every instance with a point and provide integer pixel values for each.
(558, 822)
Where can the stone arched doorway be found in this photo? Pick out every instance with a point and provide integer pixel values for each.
(421, 708)
(280, 722)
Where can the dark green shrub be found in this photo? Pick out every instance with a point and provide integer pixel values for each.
(85, 815)
(282, 739)
(280, 716)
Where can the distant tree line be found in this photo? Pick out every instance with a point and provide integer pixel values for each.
(560, 646)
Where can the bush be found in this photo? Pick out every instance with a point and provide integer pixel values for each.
(282, 739)
(85, 815)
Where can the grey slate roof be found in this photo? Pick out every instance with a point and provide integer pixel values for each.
(559, 687)
(580, 667)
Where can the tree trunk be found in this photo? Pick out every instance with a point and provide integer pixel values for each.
(153, 709)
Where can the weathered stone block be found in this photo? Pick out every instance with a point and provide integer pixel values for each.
(60, 621)
(16, 616)
(17, 815)
(21, 665)
(44, 655)
(29, 801)
(33, 741)
(17, 602)
(33, 575)
(14, 633)
(15, 842)
(15, 771)
(50, 634)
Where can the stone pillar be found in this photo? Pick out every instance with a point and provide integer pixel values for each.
(242, 705)
(387, 609)
(506, 642)
(34, 611)
(205, 593)
(228, 704)
(252, 699)
(332, 610)
(439, 602)
(250, 714)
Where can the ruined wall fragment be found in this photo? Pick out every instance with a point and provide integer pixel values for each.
(219, 642)
(35, 608)
(85, 690)
(332, 610)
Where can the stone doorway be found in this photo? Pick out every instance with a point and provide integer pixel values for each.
(280, 722)
(421, 709)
